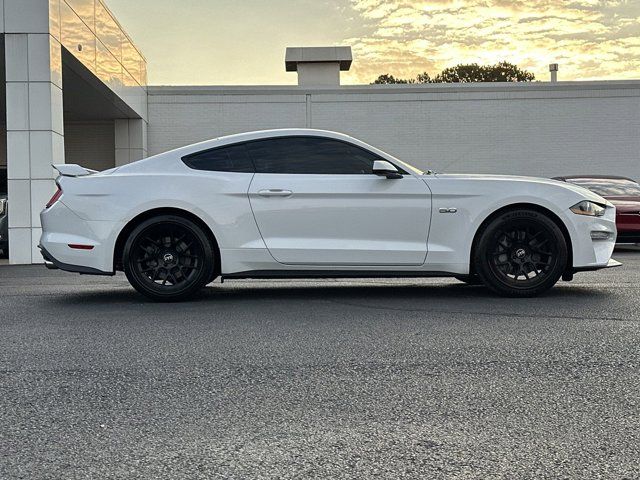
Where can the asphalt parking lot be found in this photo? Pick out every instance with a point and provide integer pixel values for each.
(329, 379)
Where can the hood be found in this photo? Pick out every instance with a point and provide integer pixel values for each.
(587, 194)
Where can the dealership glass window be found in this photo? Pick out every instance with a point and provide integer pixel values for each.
(132, 61)
(108, 31)
(85, 9)
(224, 159)
(310, 155)
(77, 37)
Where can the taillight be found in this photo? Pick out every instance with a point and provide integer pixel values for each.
(80, 246)
(55, 198)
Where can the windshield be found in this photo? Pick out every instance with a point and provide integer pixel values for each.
(608, 187)
(407, 166)
(404, 165)
(394, 160)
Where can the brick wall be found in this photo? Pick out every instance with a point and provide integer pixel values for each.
(537, 129)
(90, 144)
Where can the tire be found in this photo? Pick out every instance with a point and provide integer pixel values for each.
(168, 258)
(521, 253)
(473, 280)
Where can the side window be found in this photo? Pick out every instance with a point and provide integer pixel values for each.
(233, 158)
(310, 155)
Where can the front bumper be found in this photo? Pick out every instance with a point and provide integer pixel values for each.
(610, 264)
(591, 253)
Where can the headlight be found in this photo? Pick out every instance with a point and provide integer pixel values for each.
(3, 206)
(588, 208)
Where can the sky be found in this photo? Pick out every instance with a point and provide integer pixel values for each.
(242, 42)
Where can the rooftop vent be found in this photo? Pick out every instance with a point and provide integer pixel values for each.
(318, 66)
(553, 68)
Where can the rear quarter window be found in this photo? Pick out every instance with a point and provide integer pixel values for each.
(233, 158)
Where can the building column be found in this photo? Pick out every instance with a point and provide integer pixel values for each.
(35, 134)
(131, 140)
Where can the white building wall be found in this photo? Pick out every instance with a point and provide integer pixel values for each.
(130, 140)
(35, 33)
(34, 120)
(535, 129)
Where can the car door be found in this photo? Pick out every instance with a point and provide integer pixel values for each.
(316, 201)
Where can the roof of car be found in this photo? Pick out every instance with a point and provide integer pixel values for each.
(274, 133)
(594, 177)
(266, 134)
(283, 132)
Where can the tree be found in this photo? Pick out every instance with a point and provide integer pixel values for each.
(424, 78)
(462, 74)
(466, 73)
(387, 79)
(500, 72)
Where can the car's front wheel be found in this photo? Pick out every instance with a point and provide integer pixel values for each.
(168, 258)
(521, 253)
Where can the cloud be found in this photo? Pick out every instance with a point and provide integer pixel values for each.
(591, 39)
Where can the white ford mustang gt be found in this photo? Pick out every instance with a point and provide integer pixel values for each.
(299, 203)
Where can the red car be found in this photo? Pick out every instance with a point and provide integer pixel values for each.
(624, 193)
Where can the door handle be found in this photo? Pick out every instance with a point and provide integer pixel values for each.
(275, 192)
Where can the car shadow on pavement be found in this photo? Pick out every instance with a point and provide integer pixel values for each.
(377, 293)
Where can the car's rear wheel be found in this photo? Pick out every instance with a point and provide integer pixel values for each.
(168, 258)
(521, 253)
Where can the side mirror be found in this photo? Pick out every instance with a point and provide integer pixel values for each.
(385, 169)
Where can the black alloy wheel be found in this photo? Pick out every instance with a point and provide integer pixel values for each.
(168, 258)
(521, 253)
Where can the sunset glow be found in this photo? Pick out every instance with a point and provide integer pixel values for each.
(589, 39)
(227, 42)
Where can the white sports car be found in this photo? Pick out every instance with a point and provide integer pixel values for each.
(300, 203)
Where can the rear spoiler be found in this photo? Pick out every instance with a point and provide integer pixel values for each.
(73, 170)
